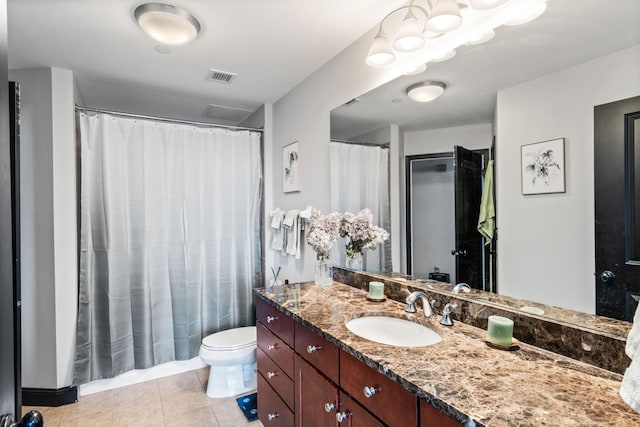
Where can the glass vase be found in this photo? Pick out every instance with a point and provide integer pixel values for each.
(355, 262)
(324, 270)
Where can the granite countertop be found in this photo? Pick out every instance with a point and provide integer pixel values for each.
(461, 375)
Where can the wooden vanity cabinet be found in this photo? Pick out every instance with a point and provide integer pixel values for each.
(274, 356)
(306, 381)
(431, 417)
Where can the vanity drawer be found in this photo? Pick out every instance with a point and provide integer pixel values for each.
(277, 322)
(390, 402)
(273, 412)
(279, 381)
(322, 354)
(276, 349)
(431, 417)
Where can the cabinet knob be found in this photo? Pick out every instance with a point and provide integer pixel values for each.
(271, 347)
(341, 416)
(313, 348)
(329, 406)
(271, 374)
(271, 318)
(272, 417)
(370, 391)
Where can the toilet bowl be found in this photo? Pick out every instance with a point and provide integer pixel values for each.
(231, 355)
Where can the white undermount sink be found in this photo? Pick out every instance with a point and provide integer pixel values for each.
(393, 331)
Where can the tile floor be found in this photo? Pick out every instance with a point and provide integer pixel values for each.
(177, 400)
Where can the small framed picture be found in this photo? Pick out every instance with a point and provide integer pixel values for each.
(543, 167)
(290, 166)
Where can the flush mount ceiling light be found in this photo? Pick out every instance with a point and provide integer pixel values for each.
(167, 24)
(426, 25)
(425, 91)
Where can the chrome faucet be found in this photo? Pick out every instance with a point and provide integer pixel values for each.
(461, 287)
(426, 305)
(446, 314)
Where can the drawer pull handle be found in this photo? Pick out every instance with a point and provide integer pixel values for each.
(271, 347)
(271, 374)
(341, 416)
(271, 318)
(313, 348)
(370, 391)
(273, 416)
(329, 406)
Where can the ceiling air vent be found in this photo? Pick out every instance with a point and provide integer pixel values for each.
(221, 76)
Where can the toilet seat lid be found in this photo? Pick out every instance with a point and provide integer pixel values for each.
(231, 339)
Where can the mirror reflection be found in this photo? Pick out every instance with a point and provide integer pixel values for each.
(529, 84)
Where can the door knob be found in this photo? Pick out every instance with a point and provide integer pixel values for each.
(607, 276)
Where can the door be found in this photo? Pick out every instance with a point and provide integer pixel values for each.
(617, 207)
(469, 244)
(316, 397)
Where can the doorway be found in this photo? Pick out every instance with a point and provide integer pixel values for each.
(617, 207)
(443, 202)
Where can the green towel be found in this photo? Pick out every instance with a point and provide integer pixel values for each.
(486, 221)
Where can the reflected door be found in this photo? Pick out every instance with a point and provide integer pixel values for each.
(617, 207)
(469, 247)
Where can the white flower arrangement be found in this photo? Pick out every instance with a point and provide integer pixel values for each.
(361, 232)
(323, 231)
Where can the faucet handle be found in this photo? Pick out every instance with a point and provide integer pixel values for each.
(446, 314)
(410, 307)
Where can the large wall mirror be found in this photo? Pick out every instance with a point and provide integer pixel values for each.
(530, 83)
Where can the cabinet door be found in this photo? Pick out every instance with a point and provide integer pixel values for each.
(351, 414)
(316, 397)
(431, 417)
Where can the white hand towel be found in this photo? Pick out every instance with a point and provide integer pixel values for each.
(633, 340)
(293, 231)
(277, 232)
(630, 389)
(276, 218)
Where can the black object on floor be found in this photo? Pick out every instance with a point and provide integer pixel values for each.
(249, 406)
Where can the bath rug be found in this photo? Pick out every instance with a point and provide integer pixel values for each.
(249, 406)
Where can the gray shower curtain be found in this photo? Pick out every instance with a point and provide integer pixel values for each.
(169, 240)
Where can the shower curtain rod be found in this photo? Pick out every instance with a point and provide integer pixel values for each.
(369, 144)
(165, 119)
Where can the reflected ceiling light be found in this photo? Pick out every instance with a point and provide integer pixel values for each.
(472, 20)
(444, 56)
(167, 24)
(444, 17)
(425, 91)
(481, 38)
(486, 4)
(412, 71)
(527, 12)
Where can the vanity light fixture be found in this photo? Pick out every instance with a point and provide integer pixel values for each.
(167, 24)
(426, 91)
(434, 19)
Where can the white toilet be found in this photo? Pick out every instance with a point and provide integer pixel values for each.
(231, 354)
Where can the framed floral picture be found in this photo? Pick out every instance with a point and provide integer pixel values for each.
(543, 167)
(290, 167)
